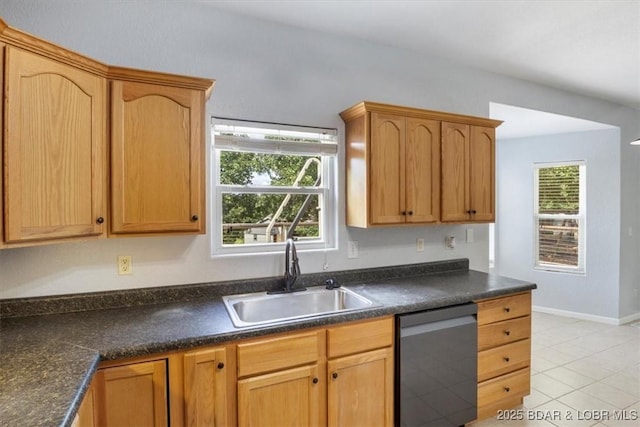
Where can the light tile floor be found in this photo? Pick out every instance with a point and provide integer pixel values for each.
(582, 374)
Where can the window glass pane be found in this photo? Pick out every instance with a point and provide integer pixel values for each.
(256, 169)
(558, 242)
(247, 217)
(559, 190)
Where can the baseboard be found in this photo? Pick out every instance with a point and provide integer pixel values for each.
(585, 316)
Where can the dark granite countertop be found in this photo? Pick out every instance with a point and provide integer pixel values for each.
(47, 361)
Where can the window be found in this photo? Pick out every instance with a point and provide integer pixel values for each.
(273, 182)
(560, 208)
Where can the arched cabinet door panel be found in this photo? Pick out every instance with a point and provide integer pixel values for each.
(157, 153)
(55, 150)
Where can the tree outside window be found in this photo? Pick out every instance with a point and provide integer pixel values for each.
(560, 216)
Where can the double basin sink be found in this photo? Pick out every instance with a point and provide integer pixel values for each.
(262, 308)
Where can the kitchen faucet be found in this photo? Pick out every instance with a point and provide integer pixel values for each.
(291, 266)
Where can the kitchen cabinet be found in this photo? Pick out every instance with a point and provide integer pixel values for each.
(281, 380)
(404, 169)
(468, 173)
(54, 149)
(504, 352)
(57, 112)
(360, 373)
(404, 166)
(341, 376)
(208, 390)
(87, 416)
(133, 394)
(157, 158)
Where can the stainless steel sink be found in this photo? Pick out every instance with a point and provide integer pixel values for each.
(262, 308)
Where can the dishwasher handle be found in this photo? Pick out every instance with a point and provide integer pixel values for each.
(436, 326)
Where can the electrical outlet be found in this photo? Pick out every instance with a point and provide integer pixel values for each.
(449, 242)
(352, 249)
(125, 265)
(419, 245)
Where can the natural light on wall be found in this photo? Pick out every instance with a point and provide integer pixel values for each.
(272, 182)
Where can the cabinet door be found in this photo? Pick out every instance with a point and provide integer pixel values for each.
(455, 178)
(157, 172)
(294, 397)
(423, 170)
(482, 173)
(54, 149)
(360, 389)
(387, 169)
(205, 388)
(86, 416)
(133, 395)
(2, 50)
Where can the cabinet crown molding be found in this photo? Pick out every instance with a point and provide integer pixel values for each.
(368, 106)
(42, 47)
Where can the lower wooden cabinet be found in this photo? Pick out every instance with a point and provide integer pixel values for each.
(292, 397)
(208, 390)
(504, 352)
(360, 389)
(133, 394)
(337, 376)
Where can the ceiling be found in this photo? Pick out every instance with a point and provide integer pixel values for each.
(590, 47)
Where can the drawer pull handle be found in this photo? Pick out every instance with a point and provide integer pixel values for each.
(220, 365)
(315, 381)
(507, 309)
(334, 375)
(507, 389)
(506, 359)
(507, 332)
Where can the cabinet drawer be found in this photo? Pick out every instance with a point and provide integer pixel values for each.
(273, 354)
(504, 388)
(499, 309)
(359, 337)
(504, 359)
(499, 333)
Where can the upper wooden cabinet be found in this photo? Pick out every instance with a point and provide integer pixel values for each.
(405, 166)
(55, 147)
(405, 163)
(468, 173)
(157, 153)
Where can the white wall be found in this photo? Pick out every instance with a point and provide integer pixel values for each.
(595, 293)
(269, 72)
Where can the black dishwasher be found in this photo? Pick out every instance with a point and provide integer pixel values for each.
(436, 367)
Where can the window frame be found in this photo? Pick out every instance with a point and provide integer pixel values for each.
(580, 217)
(327, 194)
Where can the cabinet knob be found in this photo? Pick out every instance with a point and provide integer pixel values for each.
(507, 332)
(220, 365)
(507, 389)
(410, 212)
(194, 218)
(315, 381)
(473, 211)
(334, 375)
(404, 212)
(469, 212)
(507, 309)
(506, 359)
(99, 220)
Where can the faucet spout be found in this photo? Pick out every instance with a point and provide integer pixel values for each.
(291, 265)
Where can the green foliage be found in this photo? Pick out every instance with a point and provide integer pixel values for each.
(559, 189)
(239, 168)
